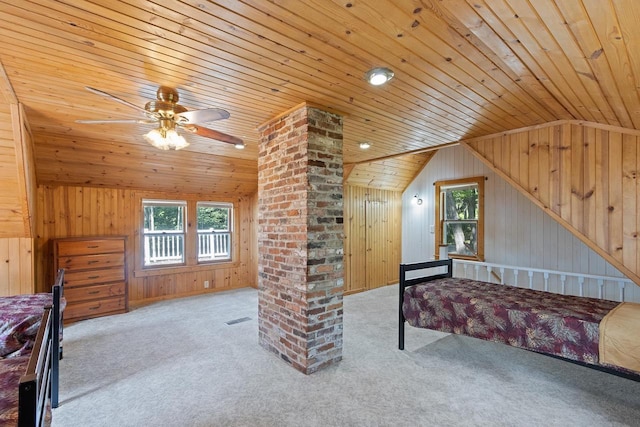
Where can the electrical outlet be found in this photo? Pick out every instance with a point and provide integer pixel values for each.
(206, 283)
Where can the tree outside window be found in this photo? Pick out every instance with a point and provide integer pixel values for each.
(459, 217)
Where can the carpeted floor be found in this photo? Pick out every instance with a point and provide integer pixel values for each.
(178, 363)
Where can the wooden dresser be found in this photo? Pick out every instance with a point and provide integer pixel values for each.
(95, 275)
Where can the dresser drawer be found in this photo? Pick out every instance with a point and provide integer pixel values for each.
(93, 277)
(71, 263)
(85, 293)
(87, 247)
(94, 308)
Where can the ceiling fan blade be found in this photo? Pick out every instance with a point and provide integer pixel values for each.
(132, 121)
(202, 116)
(213, 134)
(115, 98)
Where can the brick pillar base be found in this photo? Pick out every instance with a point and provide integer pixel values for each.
(300, 232)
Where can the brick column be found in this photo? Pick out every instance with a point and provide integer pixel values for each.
(300, 232)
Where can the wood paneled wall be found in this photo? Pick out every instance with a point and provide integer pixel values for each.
(583, 175)
(17, 190)
(67, 211)
(517, 231)
(372, 228)
(25, 159)
(16, 266)
(15, 173)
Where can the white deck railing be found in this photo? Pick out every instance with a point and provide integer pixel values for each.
(212, 246)
(168, 248)
(561, 282)
(163, 248)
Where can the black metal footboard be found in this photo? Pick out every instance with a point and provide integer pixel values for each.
(35, 383)
(57, 292)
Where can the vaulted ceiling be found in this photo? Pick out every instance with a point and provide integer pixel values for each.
(463, 69)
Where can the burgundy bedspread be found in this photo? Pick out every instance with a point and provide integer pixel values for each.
(10, 372)
(20, 318)
(562, 325)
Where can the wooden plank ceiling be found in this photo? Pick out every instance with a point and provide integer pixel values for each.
(463, 69)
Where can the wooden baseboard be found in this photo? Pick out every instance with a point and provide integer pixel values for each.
(142, 303)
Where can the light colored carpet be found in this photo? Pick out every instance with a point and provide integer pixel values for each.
(177, 363)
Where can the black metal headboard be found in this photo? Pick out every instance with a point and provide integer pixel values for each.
(404, 283)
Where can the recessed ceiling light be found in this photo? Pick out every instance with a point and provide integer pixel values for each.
(364, 145)
(379, 76)
(239, 146)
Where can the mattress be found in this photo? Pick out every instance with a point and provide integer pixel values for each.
(562, 325)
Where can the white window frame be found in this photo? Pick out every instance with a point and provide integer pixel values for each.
(164, 248)
(217, 243)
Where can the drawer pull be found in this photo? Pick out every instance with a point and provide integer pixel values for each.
(93, 261)
(93, 277)
(93, 247)
(95, 308)
(93, 292)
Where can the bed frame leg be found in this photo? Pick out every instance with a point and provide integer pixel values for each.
(400, 313)
(56, 349)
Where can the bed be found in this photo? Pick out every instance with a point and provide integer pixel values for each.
(20, 317)
(594, 332)
(29, 375)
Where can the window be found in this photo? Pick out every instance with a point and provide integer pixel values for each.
(214, 231)
(460, 217)
(164, 232)
(186, 232)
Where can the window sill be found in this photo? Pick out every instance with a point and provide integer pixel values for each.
(466, 257)
(162, 271)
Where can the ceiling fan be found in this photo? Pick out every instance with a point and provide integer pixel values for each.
(168, 115)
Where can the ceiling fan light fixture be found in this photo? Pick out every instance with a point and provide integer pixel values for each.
(379, 76)
(166, 139)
